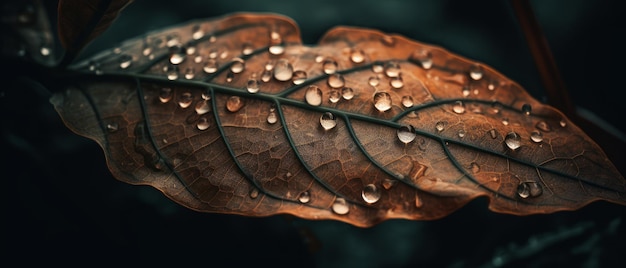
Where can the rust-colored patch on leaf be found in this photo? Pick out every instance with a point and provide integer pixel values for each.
(235, 115)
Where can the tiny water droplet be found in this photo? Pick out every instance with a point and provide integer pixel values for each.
(247, 49)
(347, 93)
(171, 72)
(422, 57)
(563, 123)
(313, 95)
(266, 76)
(543, 126)
(283, 71)
(210, 66)
(328, 121)
(253, 85)
(371, 194)
(125, 61)
(112, 127)
(237, 65)
(234, 104)
(406, 133)
(493, 84)
(440, 126)
(197, 32)
(45, 51)
(334, 96)
(474, 167)
(336, 80)
(513, 140)
(189, 73)
(505, 121)
(536, 136)
(276, 49)
(382, 101)
(458, 107)
(229, 77)
(177, 58)
(529, 189)
(212, 39)
(378, 67)
(299, 77)
(304, 197)
(476, 72)
(373, 81)
(185, 100)
(272, 118)
(203, 123)
(392, 69)
(407, 101)
(493, 133)
(206, 95)
(213, 54)
(202, 107)
(319, 58)
(461, 133)
(197, 59)
(340, 206)
(388, 183)
(330, 66)
(526, 108)
(165, 95)
(465, 91)
(254, 193)
(357, 55)
(396, 82)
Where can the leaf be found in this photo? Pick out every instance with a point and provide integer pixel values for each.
(79, 22)
(235, 115)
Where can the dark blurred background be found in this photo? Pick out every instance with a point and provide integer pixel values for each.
(61, 202)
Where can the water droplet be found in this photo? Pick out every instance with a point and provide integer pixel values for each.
(536, 136)
(229, 77)
(319, 58)
(313, 95)
(396, 82)
(406, 133)
(272, 118)
(189, 73)
(388, 183)
(373, 81)
(476, 72)
(529, 189)
(461, 133)
(440, 126)
(328, 120)
(563, 123)
(378, 67)
(185, 100)
(213, 54)
(197, 59)
(513, 140)
(407, 101)
(495, 107)
(418, 201)
(165, 95)
(382, 101)
(202, 107)
(276, 49)
(247, 49)
(371, 194)
(347, 93)
(334, 96)
(493, 84)
(304, 197)
(465, 91)
(392, 69)
(543, 126)
(266, 76)
(206, 95)
(357, 56)
(253, 85)
(177, 58)
(299, 77)
(197, 32)
(336, 80)
(171, 72)
(330, 66)
(203, 123)
(112, 127)
(474, 167)
(237, 65)
(283, 71)
(45, 51)
(212, 39)
(210, 66)
(125, 61)
(526, 108)
(458, 107)
(340, 206)
(422, 57)
(234, 104)
(493, 133)
(505, 121)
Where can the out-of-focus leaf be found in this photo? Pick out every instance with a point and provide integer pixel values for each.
(235, 115)
(79, 22)
(26, 32)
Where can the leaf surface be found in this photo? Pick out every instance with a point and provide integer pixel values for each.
(235, 115)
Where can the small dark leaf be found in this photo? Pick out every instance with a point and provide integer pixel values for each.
(234, 115)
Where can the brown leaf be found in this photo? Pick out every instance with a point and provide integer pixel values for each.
(79, 22)
(234, 115)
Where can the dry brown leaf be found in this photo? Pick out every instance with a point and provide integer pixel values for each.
(234, 115)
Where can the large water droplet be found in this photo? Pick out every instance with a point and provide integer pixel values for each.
(210, 66)
(253, 85)
(407, 101)
(234, 104)
(406, 133)
(357, 55)
(203, 123)
(382, 101)
(328, 120)
(125, 61)
(330, 66)
(371, 194)
(458, 107)
(422, 57)
(185, 100)
(529, 189)
(304, 197)
(513, 140)
(336, 80)
(340, 206)
(283, 71)
(347, 93)
(440, 126)
(536, 136)
(313, 95)
(299, 77)
(476, 72)
(165, 95)
(237, 65)
(392, 69)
